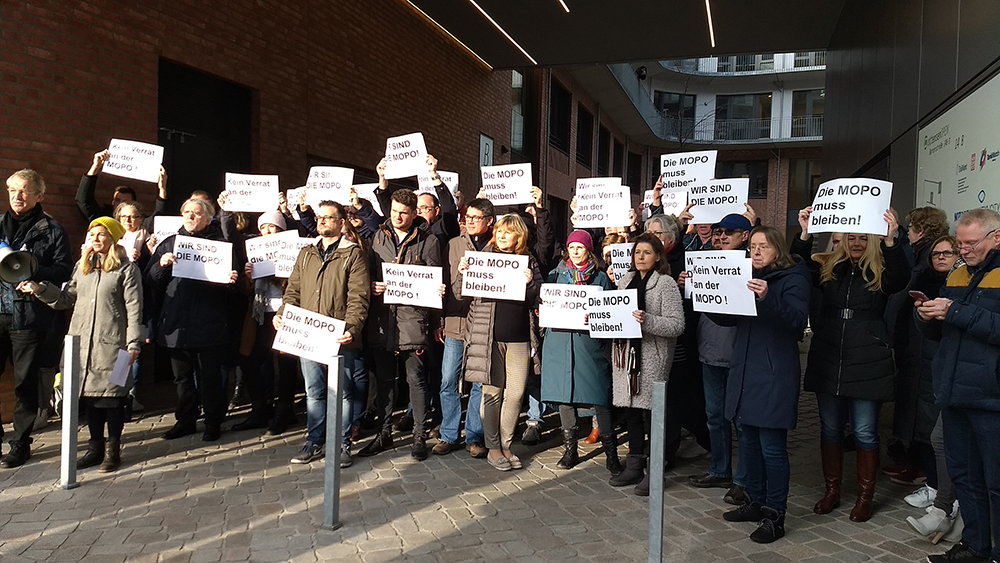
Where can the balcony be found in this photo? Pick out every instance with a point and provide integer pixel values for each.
(747, 65)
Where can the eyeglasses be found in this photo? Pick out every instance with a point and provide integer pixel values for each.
(426, 208)
(655, 233)
(474, 218)
(129, 217)
(727, 232)
(943, 254)
(967, 248)
(326, 218)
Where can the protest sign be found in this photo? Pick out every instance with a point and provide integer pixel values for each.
(679, 172)
(621, 260)
(689, 262)
(494, 275)
(331, 183)
(405, 156)
(851, 205)
(165, 226)
(717, 199)
(251, 192)
(263, 251)
(202, 259)
(718, 280)
(565, 305)
(308, 335)
(507, 184)
(288, 253)
(601, 202)
(609, 314)
(135, 160)
(367, 191)
(292, 196)
(426, 184)
(418, 286)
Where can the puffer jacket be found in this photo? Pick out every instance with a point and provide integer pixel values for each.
(107, 317)
(337, 287)
(478, 352)
(401, 327)
(851, 351)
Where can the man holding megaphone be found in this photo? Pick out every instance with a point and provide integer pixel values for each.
(29, 233)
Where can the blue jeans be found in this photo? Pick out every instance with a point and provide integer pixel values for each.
(833, 412)
(353, 390)
(972, 450)
(720, 430)
(766, 456)
(533, 389)
(451, 401)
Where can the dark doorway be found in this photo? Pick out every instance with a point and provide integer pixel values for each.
(205, 130)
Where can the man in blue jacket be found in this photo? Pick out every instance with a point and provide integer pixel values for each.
(25, 320)
(967, 383)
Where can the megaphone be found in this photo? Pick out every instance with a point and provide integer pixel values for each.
(15, 265)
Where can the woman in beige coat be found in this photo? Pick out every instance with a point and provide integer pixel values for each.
(106, 290)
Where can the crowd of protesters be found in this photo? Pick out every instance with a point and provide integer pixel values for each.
(910, 317)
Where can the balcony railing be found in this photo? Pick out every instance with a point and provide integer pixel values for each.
(741, 65)
(735, 131)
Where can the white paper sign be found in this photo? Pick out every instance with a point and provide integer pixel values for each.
(717, 199)
(292, 197)
(718, 282)
(565, 305)
(427, 185)
(367, 191)
(202, 259)
(405, 156)
(601, 202)
(687, 169)
(164, 226)
(263, 252)
(288, 253)
(309, 335)
(121, 371)
(495, 275)
(507, 184)
(610, 314)
(251, 192)
(851, 205)
(132, 159)
(331, 183)
(689, 262)
(412, 285)
(621, 260)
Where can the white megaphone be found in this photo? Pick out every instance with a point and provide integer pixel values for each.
(16, 266)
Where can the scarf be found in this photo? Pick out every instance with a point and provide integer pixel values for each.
(627, 353)
(582, 277)
(15, 226)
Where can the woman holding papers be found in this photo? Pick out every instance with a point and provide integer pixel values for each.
(851, 366)
(575, 371)
(107, 291)
(763, 387)
(497, 347)
(639, 362)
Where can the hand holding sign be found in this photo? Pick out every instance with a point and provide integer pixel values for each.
(405, 156)
(708, 204)
(494, 275)
(250, 192)
(851, 205)
(132, 159)
(507, 184)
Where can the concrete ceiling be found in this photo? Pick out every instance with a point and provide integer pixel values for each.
(608, 31)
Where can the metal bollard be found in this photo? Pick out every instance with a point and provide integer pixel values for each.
(657, 439)
(70, 412)
(334, 439)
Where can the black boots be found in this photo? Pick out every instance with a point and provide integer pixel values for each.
(771, 526)
(284, 416)
(112, 457)
(610, 443)
(259, 415)
(635, 465)
(94, 455)
(571, 455)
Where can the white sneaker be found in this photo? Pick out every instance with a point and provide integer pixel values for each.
(922, 497)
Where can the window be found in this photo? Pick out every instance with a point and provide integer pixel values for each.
(743, 116)
(633, 174)
(517, 113)
(618, 162)
(755, 170)
(560, 113)
(725, 64)
(810, 58)
(679, 111)
(603, 151)
(584, 136)
(807, 113)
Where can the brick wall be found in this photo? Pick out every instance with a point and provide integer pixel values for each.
(331, 79)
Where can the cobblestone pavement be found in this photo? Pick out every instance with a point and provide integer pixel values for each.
(239, 500)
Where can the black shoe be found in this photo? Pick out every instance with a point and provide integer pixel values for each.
(20, 452)
(180, 430)
(212, 433)
(957, 554)
(368, 420)
(252, 422)
(381, 443)
(571, 454)
(532, 435)
(404, 424)
(419, 449)
(642, 489)
(747, 512)
(770, 528)
(706, 481)
(94, 455)
(736, 495)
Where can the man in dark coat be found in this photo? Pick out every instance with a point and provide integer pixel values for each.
(86, 198)
(24, 320)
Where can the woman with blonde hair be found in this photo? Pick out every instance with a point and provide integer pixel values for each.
(850, 365)
(497, 346)
(107, 291)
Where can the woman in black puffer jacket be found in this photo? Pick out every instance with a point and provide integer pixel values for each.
(850, 366)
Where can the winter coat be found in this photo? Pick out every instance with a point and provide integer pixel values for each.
(967, 365)
(575, 369)
(715, 342)
(764, 371)
(194, 313)
(337, 287)
(401, 327)
(107, 317)
(664, 323)
(478, 351)
(46, 241)
(851, 353)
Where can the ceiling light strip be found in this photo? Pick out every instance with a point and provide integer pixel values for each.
(505, 34)
(449, 34)
(565, 7)
(711, 28)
